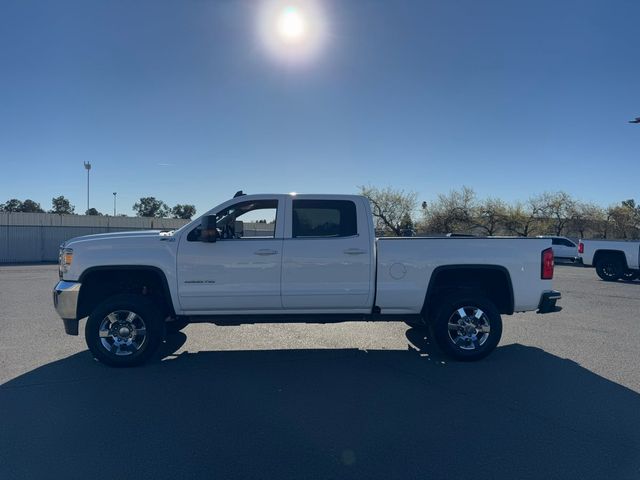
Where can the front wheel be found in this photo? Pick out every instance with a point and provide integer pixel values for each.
(467, 326)
(124, 330)
(630, 275)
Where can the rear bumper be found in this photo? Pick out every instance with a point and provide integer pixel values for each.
(65, 301)
(548, 301)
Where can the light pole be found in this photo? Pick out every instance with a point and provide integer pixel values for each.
(114, 203)
(87, 165)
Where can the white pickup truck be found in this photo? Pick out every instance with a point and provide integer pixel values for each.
(315, 260)
(613, 259)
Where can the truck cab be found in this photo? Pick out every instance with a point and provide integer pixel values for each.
(316, 255)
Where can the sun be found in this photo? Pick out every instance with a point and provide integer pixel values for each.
(291, 25)
(292, 31)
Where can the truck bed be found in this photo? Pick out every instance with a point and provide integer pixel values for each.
(406, 265)
(592, 248)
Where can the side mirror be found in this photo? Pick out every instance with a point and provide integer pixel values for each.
(209, 232)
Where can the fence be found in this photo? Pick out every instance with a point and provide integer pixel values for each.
(35, 237)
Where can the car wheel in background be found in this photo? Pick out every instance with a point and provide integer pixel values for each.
(610, 268)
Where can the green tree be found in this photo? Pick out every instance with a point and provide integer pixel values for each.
(61, 205)
(406, 222)
(151, 207)
(183, 211)
(93, 211)
(13, 205)
(29, 206)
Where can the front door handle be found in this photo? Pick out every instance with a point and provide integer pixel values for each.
(355, 251)
(265, 251)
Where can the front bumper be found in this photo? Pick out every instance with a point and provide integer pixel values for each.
(548, 301)
(65, 301)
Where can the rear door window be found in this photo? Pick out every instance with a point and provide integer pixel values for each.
(324, 218)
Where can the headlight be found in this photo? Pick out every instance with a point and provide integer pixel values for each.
(64, 260)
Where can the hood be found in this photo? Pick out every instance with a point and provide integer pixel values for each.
(117, 236)
(142, 247)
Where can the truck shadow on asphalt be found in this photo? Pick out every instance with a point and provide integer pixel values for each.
(520, 413)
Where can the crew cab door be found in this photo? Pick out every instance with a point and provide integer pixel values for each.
(327, 256)
(240, 271)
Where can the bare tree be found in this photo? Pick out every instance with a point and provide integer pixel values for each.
(489, 216)
(452, 212)
(586, 217)
(522, 219)
(391, 208)
(555, 209)
(624, 220)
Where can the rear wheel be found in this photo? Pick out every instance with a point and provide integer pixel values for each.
(630, 275)
(610, 268)
(124, 330)
(467, 326)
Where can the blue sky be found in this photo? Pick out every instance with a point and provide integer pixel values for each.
(180, 100)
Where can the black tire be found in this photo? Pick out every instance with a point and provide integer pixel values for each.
(610, 268)
(175, 326)
(113, 316)
(456, 345)
(630, 275)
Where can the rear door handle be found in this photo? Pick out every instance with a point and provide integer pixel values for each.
(355, 251)
(265, 251)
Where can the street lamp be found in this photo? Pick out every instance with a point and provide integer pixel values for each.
(114, 203)
(87, 165)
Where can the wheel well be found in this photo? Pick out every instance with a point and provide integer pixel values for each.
(602, 254)
(101, 283)
(493, 282)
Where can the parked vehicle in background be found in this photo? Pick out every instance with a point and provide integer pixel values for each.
(564, 249)
(613, 259)
(319, 263)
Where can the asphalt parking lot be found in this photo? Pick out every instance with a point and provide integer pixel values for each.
(560, 397)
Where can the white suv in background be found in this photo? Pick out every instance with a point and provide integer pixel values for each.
(563, 248)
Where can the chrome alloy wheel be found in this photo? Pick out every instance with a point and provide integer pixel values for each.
(122, 332)
(469, 328)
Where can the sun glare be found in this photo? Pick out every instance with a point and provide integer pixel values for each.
(292, 31)
(291, 24)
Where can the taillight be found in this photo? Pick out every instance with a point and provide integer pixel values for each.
(547, 264)
(580, 247)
